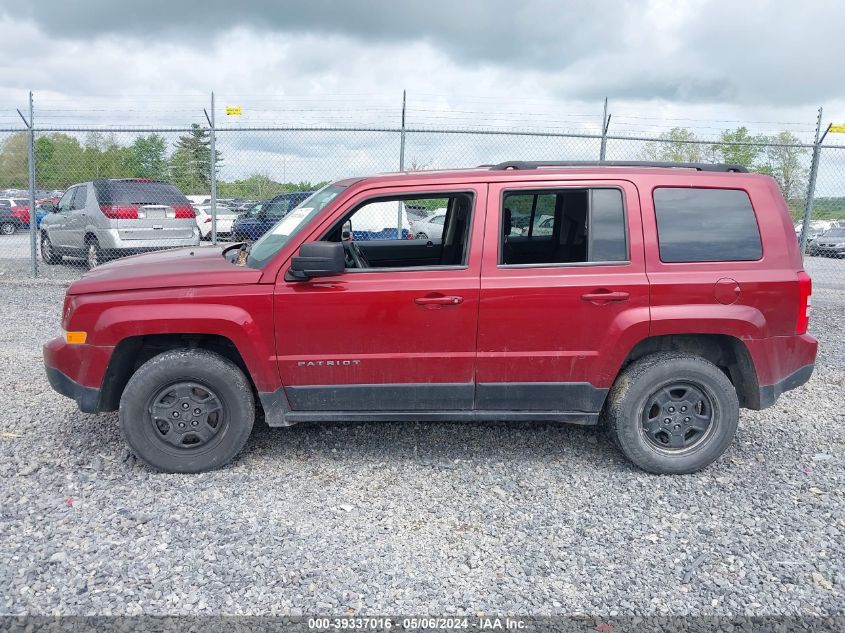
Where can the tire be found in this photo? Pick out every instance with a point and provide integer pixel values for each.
(422, 236)
(7, 228)
(93, 253)
(156, 439)
(48, 253)
(661, 401)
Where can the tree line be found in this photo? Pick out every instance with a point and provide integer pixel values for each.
(62, 160)
(777, 155)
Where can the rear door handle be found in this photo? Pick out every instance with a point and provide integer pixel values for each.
(439, 301)
(605, 296)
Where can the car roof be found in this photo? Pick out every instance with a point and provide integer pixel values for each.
(563, 171)
(289, 194)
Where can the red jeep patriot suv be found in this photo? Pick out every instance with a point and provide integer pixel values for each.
(655, 298)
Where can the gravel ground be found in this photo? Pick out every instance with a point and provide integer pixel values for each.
(416, 518)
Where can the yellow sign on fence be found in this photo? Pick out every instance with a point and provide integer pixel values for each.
(837, 127)
(233, 110)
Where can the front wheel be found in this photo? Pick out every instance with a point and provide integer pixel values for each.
(7, 228)
(48, 253)
(672, 413)
(187, 411)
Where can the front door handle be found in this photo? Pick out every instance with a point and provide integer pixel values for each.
(439, 301)
(605, 296)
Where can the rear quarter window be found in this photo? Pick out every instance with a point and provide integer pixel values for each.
(706, 225)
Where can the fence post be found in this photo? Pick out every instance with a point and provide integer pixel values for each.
(605, 124)
(33, 229)
(211, 123)
(811, 185)
(401, 167)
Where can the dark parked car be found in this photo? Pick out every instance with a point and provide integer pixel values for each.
(262, 216)
(831, 243)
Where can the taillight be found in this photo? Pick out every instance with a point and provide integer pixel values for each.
(184, 212)
(118, 212)
(805, 292)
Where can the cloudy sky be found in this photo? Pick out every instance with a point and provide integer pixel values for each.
(500, 64)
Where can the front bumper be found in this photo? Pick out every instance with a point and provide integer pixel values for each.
(77, 371)
(87, 398)
(828, 252)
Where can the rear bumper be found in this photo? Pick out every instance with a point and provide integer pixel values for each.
(782, 363)
(769, 393)
(111, 239)
(223, 227)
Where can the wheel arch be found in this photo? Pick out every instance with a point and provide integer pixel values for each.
(728, 353)
(133, 351)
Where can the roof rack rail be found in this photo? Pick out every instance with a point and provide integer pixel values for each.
(534, 164)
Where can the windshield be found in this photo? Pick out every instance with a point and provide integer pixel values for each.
(273, 240)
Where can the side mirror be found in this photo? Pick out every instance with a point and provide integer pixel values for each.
(316, 259)
(346, 231)
(50, 207)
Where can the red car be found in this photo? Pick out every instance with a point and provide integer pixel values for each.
(661, 300)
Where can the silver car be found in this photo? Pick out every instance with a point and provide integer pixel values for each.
(104, 219)
(431, 226)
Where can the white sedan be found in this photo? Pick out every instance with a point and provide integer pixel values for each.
(225, 219)
(430, 226)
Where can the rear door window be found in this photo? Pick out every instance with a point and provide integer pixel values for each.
(706, 225)
(563, 226)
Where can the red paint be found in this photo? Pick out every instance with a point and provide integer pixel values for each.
(21, 214)
(539, 324)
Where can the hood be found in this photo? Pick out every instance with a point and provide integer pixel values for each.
(184, 267)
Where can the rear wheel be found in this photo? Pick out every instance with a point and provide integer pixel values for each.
(48, 253)
(93, 253)
(672, 413)
(187, 411)
(7, 228)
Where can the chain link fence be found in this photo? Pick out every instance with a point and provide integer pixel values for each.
(99, 191)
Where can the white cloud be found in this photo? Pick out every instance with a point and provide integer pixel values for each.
(704, 64)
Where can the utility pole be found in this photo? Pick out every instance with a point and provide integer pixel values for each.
(33, 216)
(811, 185)
(401, 167)
(213, 175)
(605, 124)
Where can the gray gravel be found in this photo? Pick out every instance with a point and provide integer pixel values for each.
(416, 518)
